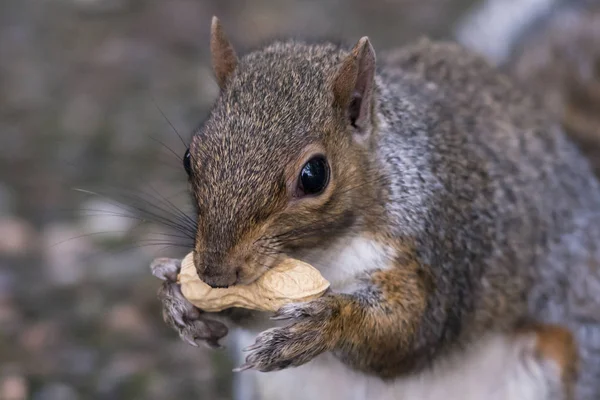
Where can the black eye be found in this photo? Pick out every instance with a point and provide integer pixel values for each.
(314, 176)
(187, 162)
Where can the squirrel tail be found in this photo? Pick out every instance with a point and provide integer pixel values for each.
(551, 46)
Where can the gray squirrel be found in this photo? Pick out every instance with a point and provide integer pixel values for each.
(458, 225)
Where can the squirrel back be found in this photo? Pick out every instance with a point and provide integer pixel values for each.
(496, 193)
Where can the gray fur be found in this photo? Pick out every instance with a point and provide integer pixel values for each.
(511, 220)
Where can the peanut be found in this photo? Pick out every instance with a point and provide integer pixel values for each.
(290, 281)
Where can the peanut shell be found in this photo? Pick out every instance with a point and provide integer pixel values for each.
(290, 281)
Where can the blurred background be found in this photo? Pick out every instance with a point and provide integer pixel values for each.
(91, 179)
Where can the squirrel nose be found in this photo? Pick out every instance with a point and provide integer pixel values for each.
(219, 278)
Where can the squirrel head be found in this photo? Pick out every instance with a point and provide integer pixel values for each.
(284, 160)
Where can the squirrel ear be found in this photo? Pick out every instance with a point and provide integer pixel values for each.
(353, 84)
(224, 59)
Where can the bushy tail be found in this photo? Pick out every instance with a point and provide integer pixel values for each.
(553, 46)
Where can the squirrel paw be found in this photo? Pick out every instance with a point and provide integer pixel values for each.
(190, 322)
(295, 344)
(166, 269)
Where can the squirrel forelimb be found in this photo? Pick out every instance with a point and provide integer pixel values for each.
(390, 316)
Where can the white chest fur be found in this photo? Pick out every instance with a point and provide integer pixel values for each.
(343, 262)
(497, 368)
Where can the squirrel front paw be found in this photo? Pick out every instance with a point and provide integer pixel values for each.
(295, 344)
(190, 322)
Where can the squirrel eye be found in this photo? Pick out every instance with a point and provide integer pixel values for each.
(314, 176)
(187, 162)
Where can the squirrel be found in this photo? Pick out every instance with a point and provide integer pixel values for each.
(458, 225)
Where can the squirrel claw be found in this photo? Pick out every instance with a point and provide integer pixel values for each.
(251, 347)
(243, 367)
(293, 345)
(188, 339)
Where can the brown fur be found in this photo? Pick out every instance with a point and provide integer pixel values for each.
(557, 344)
(402, 299)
